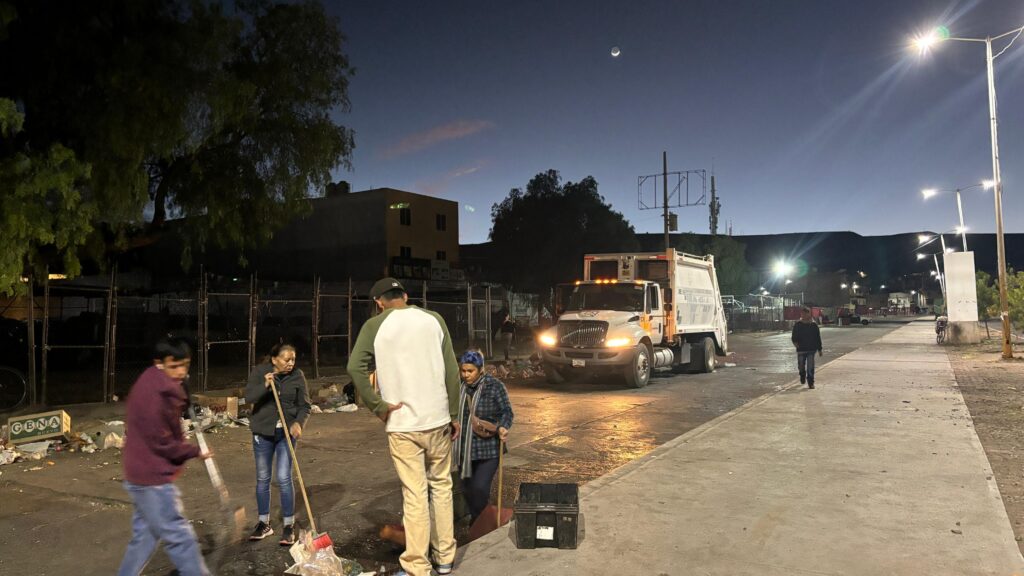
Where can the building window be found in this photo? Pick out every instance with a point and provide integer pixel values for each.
(405, 251)
(442, 255)
(442, 223)
(405, 216)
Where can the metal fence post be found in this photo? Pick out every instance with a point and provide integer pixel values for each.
(487, 322)
(315, 340)
(469, 314)
(425, 295)
(33, 392)
(253, 310)
(46, 332)
(110, 338)
(348, 323)
(202, 331)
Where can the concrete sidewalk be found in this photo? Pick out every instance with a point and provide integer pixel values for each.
(877, 471)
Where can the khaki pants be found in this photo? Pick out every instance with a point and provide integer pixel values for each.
(423, 461)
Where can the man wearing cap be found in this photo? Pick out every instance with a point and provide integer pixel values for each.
(418, 378)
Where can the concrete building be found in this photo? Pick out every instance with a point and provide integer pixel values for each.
(359, 235)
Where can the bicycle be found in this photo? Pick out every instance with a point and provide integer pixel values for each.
(940, 329)
(13, 389)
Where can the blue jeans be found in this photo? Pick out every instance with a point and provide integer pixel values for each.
(159, 517)
(266, 448)
(805, 363)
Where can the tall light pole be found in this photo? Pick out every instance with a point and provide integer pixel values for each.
(962, 230)
(923, 44)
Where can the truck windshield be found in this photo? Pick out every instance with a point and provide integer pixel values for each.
(625, 297)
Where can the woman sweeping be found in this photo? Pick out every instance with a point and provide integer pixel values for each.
(486, 416)
(268, 438)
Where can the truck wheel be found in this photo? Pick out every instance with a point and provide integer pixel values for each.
(552, 375)
(708, 364)
(638, 373)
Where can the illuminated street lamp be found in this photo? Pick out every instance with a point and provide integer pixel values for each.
(962, 229)
(924, 43)
(782, 268)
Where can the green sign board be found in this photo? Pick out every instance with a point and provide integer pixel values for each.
(39, 426)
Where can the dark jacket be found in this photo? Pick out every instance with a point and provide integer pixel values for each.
(494, 406)
(154, 447)
(807, 337)
(294, 399)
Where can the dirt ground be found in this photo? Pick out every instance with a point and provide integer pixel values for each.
(994, 391)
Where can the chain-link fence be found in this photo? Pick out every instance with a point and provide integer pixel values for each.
(760, 312)
(93, 339)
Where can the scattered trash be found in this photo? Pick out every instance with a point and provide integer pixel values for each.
(8, 456)
(113, 440)
(35, 450)
(957, 531)
(315, 410)
(34, 468)
(322, 562)
(730, 365)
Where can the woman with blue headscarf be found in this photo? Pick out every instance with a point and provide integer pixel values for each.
(486, 416)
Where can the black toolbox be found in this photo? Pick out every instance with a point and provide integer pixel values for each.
(547, 516)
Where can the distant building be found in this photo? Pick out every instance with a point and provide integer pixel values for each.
(365, 235)
(358, 235)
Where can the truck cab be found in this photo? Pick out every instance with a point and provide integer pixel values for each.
(633, 313)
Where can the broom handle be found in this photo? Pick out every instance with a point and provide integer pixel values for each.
(501, 470)
(295, 462)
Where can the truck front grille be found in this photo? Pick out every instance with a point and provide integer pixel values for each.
(582, 333)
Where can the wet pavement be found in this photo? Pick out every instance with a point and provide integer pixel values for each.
(571, 432)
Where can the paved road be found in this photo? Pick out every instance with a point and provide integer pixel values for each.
(573, 432)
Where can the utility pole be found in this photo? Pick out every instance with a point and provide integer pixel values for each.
(684, 193)
(714, 207)
(664, 189)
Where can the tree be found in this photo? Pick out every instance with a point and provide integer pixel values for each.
(42, 213)
(219, 113)
(540, 235)
(735, 275)
(988, 297)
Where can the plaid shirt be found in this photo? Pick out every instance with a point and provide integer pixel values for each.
(493, 406)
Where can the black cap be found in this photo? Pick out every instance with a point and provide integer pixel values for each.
(385, 285)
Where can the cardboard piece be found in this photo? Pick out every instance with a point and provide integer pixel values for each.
(35, 427)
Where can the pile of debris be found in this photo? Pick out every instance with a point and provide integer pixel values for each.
(331, 399)
(89, 438)
(516, 369)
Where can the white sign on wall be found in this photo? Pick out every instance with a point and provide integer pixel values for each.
(961, 287)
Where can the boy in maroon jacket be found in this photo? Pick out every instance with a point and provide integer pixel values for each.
(154, 452)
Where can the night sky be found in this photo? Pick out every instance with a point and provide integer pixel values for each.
(815, 114)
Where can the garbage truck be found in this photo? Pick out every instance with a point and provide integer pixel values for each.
(632, 313)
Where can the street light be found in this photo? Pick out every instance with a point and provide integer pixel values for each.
(961, 230)
(782, 268)
(923, 44)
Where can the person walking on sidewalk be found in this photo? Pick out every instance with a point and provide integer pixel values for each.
(807, 339)
(485, 413)
(418, 378)
(155, 450)
(508, 332)
(268, 439)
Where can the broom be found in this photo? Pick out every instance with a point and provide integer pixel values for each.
(320, 541)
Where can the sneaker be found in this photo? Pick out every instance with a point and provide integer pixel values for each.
(810, 385)
(261, 531)
(288, 536)
(803, 379)
(443, 569)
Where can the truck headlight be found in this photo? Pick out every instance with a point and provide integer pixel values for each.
(548, 340)
(618, 342)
